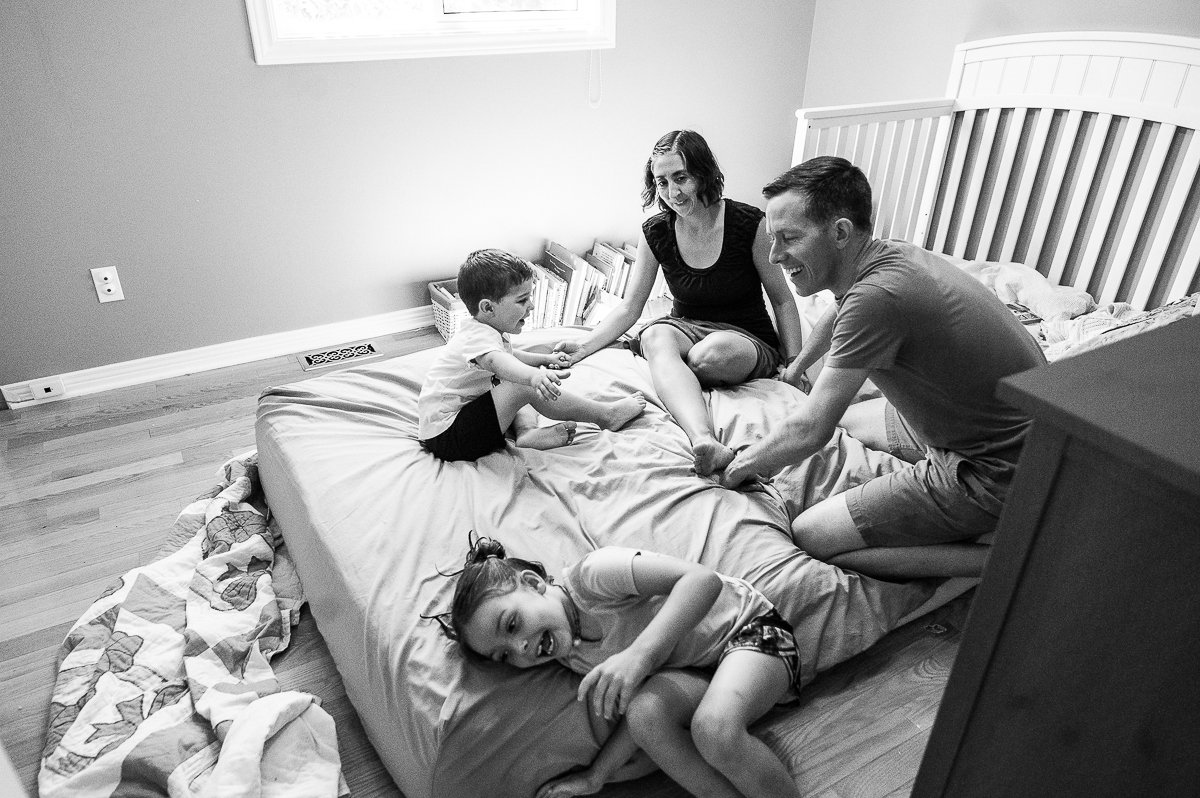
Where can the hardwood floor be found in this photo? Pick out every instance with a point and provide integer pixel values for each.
(90, 487)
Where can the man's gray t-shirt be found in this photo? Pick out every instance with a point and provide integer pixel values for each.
(936, 342)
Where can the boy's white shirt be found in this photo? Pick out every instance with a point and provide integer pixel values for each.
(455, 379)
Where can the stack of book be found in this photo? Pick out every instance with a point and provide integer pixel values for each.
(571, 289)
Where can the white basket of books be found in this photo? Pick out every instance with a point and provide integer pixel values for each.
(447, 307)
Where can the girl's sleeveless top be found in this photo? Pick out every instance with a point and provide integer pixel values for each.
(729, 291)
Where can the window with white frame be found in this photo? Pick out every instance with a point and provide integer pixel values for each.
(309, 31)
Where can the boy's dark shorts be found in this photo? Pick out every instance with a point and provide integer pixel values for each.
(474, 433)
(770, 634)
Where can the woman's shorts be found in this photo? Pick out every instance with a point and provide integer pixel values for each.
(768, 357)
(474, 433)
(770, 634)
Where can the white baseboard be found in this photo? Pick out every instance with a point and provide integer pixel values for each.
(247, 350)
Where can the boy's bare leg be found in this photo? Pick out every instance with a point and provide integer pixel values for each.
(529, 435)
(658, 719)
(612, 415)
(746, 685)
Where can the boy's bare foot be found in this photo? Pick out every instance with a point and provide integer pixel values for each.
(710, 456)
(551, 437)
(624, 410)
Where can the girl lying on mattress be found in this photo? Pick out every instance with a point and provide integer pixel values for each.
(630, 621)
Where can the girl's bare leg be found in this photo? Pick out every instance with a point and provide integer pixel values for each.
(747, 684)
(658, 718)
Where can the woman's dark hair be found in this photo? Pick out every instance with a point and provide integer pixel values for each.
(490, 274)
(833, 187)
(487, 572)
(697, 159)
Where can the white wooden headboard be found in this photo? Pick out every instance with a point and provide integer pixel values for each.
(1075, 153)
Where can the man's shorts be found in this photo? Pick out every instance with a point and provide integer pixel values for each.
(942, 497)
(474, 433)
(768, 358)
(770, 634)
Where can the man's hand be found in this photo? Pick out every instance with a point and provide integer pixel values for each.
(742, 469)
(793, 375)
(546, 382)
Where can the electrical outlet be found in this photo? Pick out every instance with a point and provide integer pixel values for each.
(49, 388)
(108, 284)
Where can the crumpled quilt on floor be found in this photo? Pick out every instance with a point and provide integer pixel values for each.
(165, 686)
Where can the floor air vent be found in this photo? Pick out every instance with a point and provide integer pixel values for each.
(338, 355)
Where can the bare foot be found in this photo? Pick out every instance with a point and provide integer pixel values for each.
(710, 456)
(624, 410)
(551, 437)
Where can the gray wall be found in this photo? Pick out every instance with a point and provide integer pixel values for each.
(877, 50)
(239, 200)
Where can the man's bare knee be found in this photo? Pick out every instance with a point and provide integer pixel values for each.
(826, 529)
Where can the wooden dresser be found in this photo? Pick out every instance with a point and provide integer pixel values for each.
(1079, 670)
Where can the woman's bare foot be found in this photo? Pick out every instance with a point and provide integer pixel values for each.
(551, 437)
(623, 411)
(710, 456)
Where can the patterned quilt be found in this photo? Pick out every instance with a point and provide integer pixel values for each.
(164, 685)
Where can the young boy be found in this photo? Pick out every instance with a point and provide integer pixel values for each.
(480, 385)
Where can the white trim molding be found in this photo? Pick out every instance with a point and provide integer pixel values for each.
(232, 353)
(288, 32)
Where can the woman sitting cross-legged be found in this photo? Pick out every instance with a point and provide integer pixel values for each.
(713, 253)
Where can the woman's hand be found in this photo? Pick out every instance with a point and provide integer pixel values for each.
(570, 349)
(545, 381)
(581, 783)
(613, 683)
(558, 359)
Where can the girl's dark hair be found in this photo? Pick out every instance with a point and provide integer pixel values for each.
(833, 188)
(490, 274)
(487, 572)
(697, 159)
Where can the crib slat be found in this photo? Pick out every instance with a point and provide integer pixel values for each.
(982, 158)
(1187, 268)
(1172, 220)
(1137, 215)
(1003, 177)
(958, 161)
(1103, 214)
(1086, 174)
(906, 210)
(932, 180)
(1054, 185)
(1189, 263)
(881, 176)
(1029, 168)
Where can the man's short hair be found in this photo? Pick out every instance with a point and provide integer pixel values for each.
(833, 187)
(490, 274)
